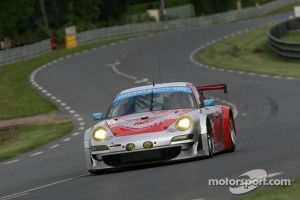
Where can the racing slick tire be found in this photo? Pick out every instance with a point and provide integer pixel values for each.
(232, 133)
(99, 171)
(210, 140)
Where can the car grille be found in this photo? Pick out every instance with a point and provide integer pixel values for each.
(139, 157)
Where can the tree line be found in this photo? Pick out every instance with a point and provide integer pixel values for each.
(29, 21)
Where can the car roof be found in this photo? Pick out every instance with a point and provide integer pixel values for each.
(160, 85)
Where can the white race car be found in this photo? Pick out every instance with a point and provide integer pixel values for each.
(159, 123)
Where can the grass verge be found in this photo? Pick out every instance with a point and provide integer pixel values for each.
(18, 98)
(291, 192)
(249, 52)
(292, 36)
(20, 140)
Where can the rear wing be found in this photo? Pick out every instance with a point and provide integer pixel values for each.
(213, 87)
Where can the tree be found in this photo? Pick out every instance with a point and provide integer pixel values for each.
(213, 6)
(44, 13)
(112, 11)
(15, 17)
(84, 14)
(238, 4)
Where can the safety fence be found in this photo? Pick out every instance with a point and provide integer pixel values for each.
(284, 48)
(24, 52)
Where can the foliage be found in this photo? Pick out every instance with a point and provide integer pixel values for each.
(32, 20)
(202, 7)
(139, 7)
(26, 22)
(112, 12)
(214, 6)
(15, 17)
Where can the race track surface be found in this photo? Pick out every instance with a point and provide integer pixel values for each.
(266, 108)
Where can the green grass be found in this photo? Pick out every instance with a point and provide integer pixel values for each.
(249, 52)
(291, 192)
(292, 36)
(21, 140)
(18, 98)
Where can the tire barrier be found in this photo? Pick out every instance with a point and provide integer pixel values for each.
(284, 48)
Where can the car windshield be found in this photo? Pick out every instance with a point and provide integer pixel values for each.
(152, 100)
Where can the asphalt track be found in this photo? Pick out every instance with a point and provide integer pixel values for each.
(267, 122)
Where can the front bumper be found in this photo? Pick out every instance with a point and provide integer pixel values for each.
(141, 157)
(174, 151)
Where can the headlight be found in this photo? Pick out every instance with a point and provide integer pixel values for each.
(183, 123)
(100, 134)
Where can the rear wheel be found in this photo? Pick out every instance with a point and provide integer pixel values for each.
(232, 133)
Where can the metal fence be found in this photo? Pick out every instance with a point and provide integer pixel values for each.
(21, 53)
(24, 52)
(284, 48)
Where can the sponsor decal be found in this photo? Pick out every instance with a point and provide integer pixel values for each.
(154, 90)
(155, 122)
(249, 181)
(173, 117)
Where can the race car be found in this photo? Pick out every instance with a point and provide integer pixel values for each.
(159, 123)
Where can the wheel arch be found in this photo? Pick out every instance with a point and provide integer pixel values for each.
(227, 114)
(204, 119)
(203, 137)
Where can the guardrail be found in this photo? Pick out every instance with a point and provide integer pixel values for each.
(284, 48)
(22, 53)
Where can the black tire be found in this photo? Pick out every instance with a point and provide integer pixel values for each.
(210, 140)
(94, 172)
(232, 133)
(99, 171)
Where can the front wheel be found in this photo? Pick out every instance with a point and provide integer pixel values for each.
(99, 171)
(210, 141)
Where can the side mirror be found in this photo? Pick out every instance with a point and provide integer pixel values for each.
(209, 102)
(97, 116)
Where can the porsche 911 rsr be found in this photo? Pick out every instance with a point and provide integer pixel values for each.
(159, 123)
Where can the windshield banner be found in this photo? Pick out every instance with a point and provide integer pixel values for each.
(154, 90)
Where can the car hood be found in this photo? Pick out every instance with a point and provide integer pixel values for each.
(140, 123)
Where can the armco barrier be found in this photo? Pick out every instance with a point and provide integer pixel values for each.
(284, 48)
(24, 52)
(29, 51)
